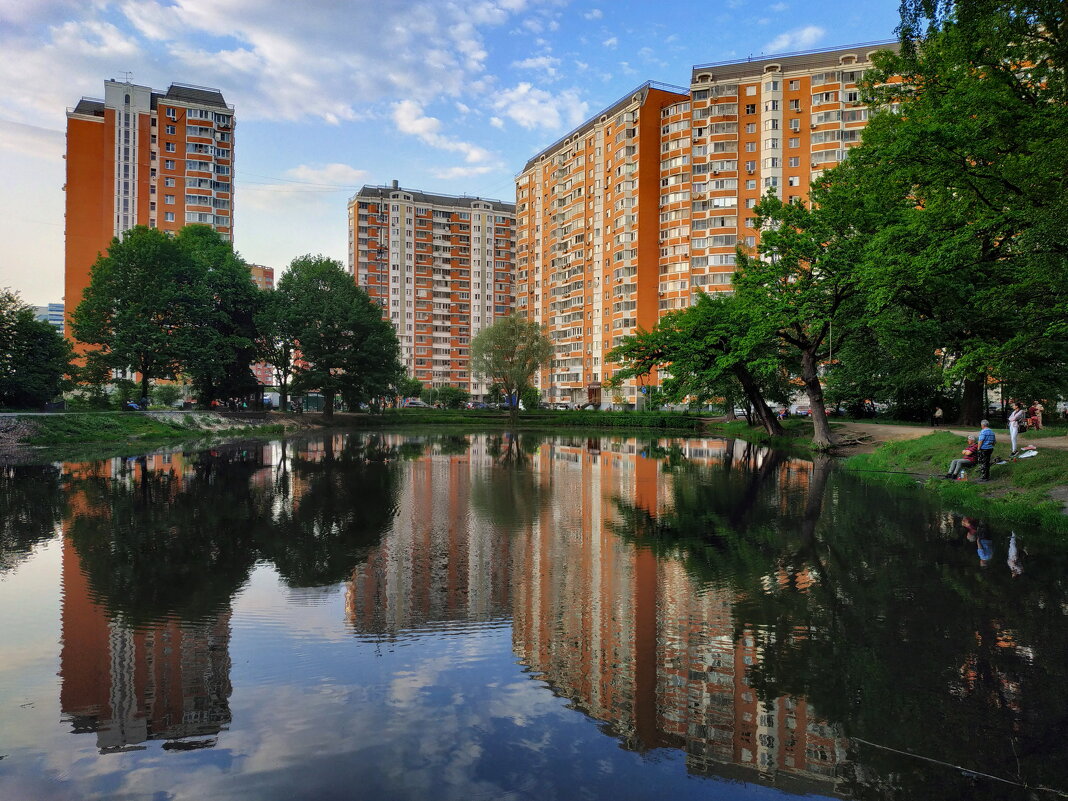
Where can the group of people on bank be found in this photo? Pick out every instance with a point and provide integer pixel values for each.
(980, 448)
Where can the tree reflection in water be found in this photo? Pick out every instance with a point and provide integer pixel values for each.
(875, 610)
(508, 494)
(32, 504)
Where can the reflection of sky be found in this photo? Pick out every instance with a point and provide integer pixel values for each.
(319, 713)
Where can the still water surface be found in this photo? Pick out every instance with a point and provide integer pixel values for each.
(393, 616)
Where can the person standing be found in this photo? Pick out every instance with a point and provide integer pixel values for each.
(1017, 417)
(936, 417)
(986, 440)
(1039, 408)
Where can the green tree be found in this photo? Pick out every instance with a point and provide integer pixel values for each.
(408, 387)
(346, 348)
(804, 282)
(448, 396)
(975, 168)
(141, 306)
(276, 340)
(223, 343)
(34, 357)
(707, 353)
(509, 353)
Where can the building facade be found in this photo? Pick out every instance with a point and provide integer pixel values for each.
(441, 266)
(52, 313)
(641, 207)
(162, 159)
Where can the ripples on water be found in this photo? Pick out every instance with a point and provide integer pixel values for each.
(489, 616)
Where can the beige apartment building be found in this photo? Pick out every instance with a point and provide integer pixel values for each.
(441, 266)
(638, 209)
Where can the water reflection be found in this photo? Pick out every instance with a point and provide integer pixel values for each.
(769, 618)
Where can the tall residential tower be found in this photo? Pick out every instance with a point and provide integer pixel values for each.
(442, 268)
(144, 157)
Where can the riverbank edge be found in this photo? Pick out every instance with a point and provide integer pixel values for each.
(1028, 492)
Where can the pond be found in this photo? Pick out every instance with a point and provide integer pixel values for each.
(486, 616)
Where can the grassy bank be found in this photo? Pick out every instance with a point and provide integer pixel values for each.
(1032, 491)
(116, 427)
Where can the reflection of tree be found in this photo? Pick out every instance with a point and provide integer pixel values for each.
(31, 506)
(860, 604)
(156, 544)
(347, 503)
(509, 493)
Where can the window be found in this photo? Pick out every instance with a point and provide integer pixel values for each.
(751, 183)
(750, 166)
(170, 129)
(169, 147)
(168, 216)
(750, 108)
(168, 182)
(771, 86)
(168, 199)
(168, 164)
(750, 147)
(750, 202)
(172, 114)
(794, 180)
(751, 90)
(794, 161)
(795, 105)
(795, 141)
(795, 85)
(771, 144)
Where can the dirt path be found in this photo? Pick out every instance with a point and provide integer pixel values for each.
(875, 434)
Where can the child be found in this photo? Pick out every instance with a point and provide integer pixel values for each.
(970, 454)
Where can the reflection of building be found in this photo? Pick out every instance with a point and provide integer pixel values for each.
(632, 641)
(434, 565)
(169, 681)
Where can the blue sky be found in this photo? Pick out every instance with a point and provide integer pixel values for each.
(443, 96)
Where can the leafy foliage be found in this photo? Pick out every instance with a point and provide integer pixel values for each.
(34, 357)
(509, 353)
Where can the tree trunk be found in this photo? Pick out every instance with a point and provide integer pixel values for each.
(328, 404)
(971, 406)
(144, 386)
(821, 428)
(756, 400)
(283, 394)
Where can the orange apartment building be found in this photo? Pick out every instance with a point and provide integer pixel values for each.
(587, 215)
(642, 206)
(442, 267)
(263, 277)
(144, 157)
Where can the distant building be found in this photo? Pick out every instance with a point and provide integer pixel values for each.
(52, 313)
(441, 266)
(262, 276)
(144, 157)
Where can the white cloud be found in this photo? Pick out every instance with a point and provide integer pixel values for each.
(275, 59)
(452, 173)
(797, 39)
(329, 174)
(779, 7)
(610, 42)
(409, 118)
(496, 122)
(30, 140)
(546, 63)
(594, 13)
(537, 108)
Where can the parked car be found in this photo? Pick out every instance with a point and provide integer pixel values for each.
(414, 403)
(476, 405)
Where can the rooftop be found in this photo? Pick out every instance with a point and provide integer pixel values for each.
(432, 199)
(797, 60)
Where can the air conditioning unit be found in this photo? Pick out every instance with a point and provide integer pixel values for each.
(813, 126)
(715, 172)
(751, 172)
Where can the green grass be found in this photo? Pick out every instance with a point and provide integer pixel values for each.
(1017, 491)
(100, 427)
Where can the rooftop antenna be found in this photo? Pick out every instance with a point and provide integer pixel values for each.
(126, 76)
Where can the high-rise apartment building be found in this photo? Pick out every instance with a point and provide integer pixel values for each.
(441, 266)
(263, 277)
(588, 217)
(52, 313)
(144, 157)
(632, 213)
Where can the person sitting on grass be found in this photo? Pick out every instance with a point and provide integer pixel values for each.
(970, 454)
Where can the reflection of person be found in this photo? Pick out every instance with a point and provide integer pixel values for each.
(969, 455)
(986, 441)
(1014, 557)
(1017, 417)
(984, 546)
